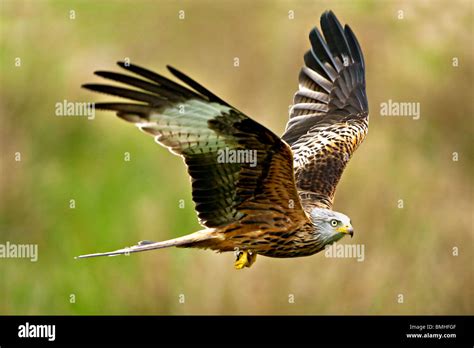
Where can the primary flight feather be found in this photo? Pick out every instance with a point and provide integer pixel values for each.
(257, 193)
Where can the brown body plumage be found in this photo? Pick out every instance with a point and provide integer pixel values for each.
(280, 204)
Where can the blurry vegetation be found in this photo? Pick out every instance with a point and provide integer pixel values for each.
(408, 251)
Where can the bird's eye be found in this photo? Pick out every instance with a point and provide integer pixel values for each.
(334, 223)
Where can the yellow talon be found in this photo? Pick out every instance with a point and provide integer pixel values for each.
(245, 259)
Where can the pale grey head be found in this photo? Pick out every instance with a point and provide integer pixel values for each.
(330, 225)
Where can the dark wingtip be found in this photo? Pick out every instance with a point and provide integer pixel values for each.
(96, 87)
(196, 86)
(87, 86)
(101, 73)
(174, 71)
(329, 16)
(326, 14)
(126, 65)
(329, 13)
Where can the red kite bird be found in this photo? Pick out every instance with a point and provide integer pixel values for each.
(257, 193)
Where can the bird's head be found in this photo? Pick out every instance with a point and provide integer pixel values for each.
(330, 224)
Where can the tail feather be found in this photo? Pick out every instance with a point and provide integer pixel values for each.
(190, 240)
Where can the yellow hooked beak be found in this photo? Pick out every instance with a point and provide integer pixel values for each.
(346, 229)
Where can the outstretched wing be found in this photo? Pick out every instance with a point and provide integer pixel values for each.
(329, 117)
(231, 158)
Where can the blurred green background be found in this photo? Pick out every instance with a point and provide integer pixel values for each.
(408, 251)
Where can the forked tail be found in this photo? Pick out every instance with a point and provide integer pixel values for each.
(196, 239)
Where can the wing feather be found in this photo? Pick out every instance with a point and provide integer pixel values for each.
(201, 127)
(329, 116)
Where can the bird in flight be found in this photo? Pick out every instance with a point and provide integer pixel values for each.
(256, 193)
